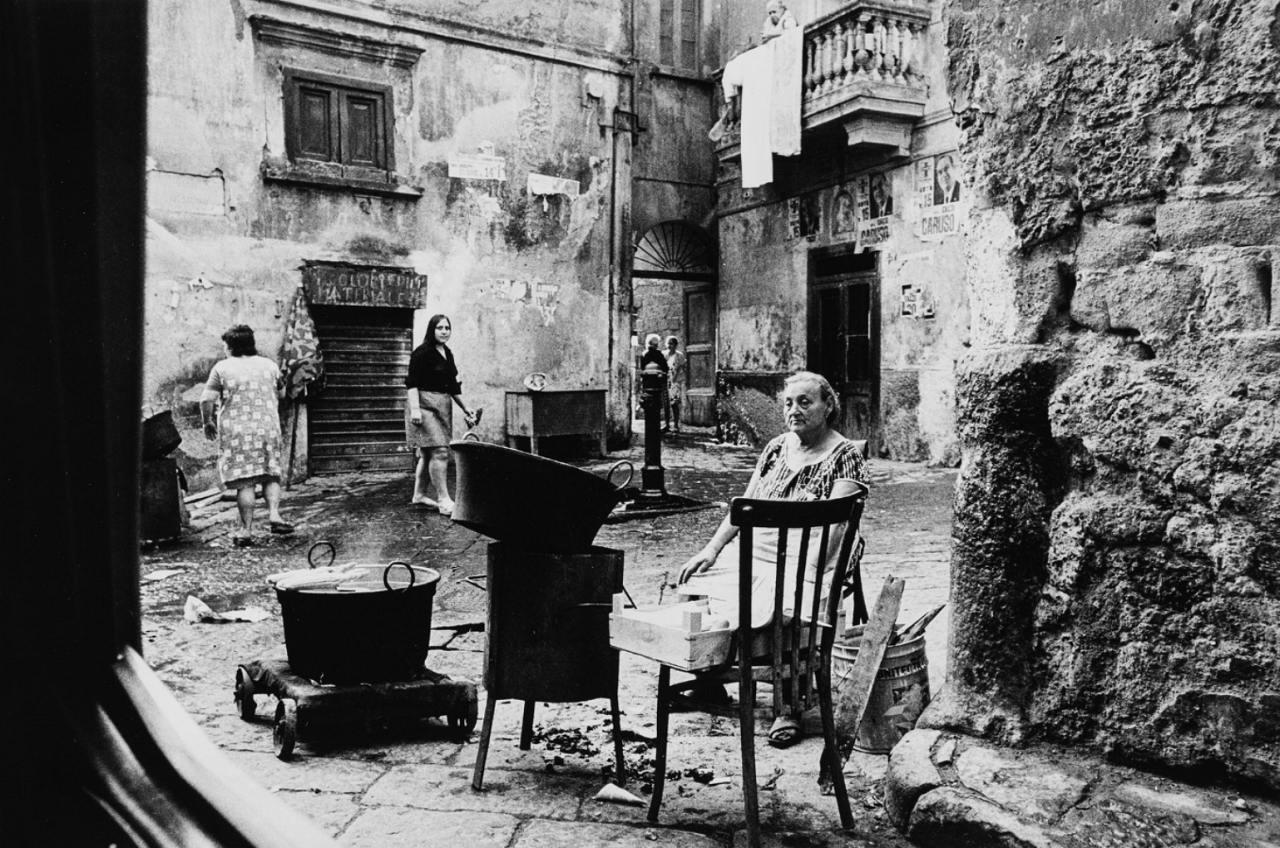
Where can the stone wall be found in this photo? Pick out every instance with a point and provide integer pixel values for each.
(1116, 578)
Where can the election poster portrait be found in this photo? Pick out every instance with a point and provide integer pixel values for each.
(875, 209)
(938, 194)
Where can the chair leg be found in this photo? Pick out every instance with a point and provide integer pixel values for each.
(526, 728)
(482, 753)
(831, 747)
(660, 749)
(620, 767)
(747, 725)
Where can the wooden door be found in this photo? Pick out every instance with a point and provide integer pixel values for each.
(700, 354)
(844, 344)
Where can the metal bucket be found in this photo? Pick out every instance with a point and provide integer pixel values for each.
(371, 629)
(160, 436)
(899, 695)
(531, 502)
(548, 626)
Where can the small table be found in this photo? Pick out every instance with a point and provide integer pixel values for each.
(570, 412)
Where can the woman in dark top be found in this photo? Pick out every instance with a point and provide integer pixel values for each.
(433, 389)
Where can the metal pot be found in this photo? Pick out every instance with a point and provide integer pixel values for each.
(531, 502)
(160, 435)
(371, 629)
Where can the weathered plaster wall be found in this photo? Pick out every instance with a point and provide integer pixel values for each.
(532, 282)
(1115, 530)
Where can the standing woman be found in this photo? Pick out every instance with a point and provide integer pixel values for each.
(433, 390)
(675, 384)
(241, 407)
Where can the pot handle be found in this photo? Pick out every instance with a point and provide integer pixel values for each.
(145, 415)
(631, 470)
(333, 553)
(413, 575)
(470, 434)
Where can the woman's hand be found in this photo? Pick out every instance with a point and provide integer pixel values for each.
(469, 417)
(697, 564)
(211, 430)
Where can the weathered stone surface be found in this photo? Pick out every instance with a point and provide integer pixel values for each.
(1004, 498)
(1143, 154)
(548, 834)
(911, 774)
(1115, 824)
(1032, 788)
(1179, 802)
(439, 788)
(399, 827)
(957, 818)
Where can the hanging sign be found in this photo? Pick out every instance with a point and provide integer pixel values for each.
(364, 285)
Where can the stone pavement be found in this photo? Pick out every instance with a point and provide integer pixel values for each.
(410, 786)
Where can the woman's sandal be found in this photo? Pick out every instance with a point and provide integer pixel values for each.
(785, 731)
(282, 528)
(242, 541)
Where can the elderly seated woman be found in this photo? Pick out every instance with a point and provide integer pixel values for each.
(810, 461)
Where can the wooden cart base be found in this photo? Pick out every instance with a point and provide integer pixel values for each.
(305, 710)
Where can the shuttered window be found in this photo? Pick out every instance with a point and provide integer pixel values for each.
(678, 33)
(329, 120)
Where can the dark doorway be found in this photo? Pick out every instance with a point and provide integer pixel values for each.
(700, 354)
(357, 422)
(844, 335)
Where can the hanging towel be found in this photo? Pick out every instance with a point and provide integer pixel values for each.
(750, 76)
(787, 94)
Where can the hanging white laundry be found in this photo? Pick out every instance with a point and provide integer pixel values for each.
(787, 95)
(750, 77)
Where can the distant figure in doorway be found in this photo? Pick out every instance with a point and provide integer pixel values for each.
(881, 196)
(653, 361)
(776, 19)
(240, 408)
(675, 385)
(433, 389)
(946, 188)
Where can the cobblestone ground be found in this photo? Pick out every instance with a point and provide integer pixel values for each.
(412, 787)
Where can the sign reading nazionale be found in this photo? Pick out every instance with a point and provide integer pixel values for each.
(364, 285)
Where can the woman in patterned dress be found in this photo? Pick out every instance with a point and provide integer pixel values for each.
(811, 461)
(240, 408)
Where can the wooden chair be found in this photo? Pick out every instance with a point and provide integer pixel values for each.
(789, 653)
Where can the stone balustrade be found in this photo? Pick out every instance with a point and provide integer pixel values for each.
(863, 68)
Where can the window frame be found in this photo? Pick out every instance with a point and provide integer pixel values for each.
(341, 89)
(675, 37)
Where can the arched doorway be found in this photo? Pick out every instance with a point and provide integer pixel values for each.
(674, 282)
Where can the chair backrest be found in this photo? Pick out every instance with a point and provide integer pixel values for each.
(804, 524)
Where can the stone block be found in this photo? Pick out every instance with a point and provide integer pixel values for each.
(1240, 222)
(949, 816)
(911, 774)
(391, 827)
(1156, 300)
(1031, 788)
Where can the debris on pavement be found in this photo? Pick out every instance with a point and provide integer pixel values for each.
(197, 611)
(161, 574)
(613, 794)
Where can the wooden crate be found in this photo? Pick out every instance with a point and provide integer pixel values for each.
(671, 634)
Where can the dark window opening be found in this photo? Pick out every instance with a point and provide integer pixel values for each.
(329, 122)
(678, 33)
(1264, 289)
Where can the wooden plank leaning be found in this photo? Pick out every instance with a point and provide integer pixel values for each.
(854, 692)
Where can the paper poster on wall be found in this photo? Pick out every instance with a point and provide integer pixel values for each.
(810, 216)
(875, 208)
(844, 222)
(939, 192)
(793, 217)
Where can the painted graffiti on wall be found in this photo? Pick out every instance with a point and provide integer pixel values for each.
(352, 285)
(543, 296)
(938, 195)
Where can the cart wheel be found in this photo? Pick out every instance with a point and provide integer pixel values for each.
(464, 721)
(286, 729)
(244, 694)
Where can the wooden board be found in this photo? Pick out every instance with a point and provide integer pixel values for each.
(856, 691)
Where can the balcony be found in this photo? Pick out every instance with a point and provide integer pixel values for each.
(864, 71)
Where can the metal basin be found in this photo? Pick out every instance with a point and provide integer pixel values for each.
(531, 502)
